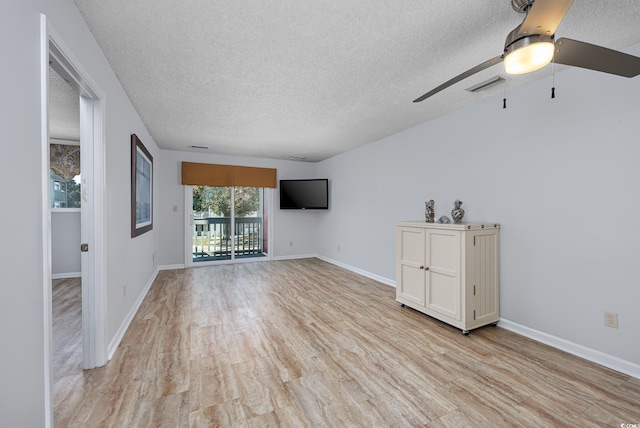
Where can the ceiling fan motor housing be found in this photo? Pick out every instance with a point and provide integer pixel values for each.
(521, 6)
(530, 46)
(516, 41)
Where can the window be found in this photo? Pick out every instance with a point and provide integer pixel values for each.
(64, 178)
(64, 193)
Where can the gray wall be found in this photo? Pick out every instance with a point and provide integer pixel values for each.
(288, 225)
(561, 176)
(65, 242)
(21, 270)
(24, 269)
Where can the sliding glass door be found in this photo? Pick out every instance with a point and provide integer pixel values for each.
(228, 223)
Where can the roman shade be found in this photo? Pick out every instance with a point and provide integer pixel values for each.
(64, 160)
(206, 174)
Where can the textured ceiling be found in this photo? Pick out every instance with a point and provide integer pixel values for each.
(64, 111)
(312, 79)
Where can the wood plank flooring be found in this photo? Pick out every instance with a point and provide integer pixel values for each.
(303, 343)
(67, 327)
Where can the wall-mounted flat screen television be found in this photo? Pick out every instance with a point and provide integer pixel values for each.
(304, 194)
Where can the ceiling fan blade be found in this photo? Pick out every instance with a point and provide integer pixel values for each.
(460, 77)
(544, 17)
(592, 57)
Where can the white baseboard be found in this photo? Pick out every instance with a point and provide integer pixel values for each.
(309, 256)
(113, 345)
(66, 275)
(171, 267)
(359, 271)
(296, 256)
(606, 360)
(615, 363)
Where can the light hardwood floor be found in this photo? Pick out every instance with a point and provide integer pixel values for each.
(305, 343)
(67, 327)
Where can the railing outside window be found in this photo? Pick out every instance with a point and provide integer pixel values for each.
(212, 238)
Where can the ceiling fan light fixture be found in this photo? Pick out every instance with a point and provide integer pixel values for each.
(528, 54)
(530, 46)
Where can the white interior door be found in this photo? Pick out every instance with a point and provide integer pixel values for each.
(57, 54)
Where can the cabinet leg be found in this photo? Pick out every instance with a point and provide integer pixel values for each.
(402, 305)
(465, 332)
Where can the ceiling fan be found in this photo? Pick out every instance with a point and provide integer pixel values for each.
(532, 45)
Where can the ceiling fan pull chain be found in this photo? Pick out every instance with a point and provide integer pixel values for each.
(504, 96)
(532, 45)
(553, 78)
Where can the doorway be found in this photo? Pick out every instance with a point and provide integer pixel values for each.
(56, 54)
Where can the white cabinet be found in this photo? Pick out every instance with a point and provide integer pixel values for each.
(449, 271)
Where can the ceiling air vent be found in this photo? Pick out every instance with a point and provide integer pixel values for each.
(486, 84)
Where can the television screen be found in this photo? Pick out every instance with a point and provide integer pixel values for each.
(304, 194)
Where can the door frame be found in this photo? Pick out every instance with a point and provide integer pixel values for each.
(92, 148)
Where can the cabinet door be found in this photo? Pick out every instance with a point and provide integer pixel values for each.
(482, 277)
(443, 274)
(410, 278)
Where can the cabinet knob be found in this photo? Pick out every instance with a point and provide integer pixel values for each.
(427, 268)
(421, 267)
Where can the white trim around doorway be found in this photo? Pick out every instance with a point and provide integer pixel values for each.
(92, 146)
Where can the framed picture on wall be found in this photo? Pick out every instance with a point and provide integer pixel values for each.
(141, 188)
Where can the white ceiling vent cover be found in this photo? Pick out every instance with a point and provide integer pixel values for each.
(486, 84)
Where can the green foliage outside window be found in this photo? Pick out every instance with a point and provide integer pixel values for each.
(73, 190)
(218, 200)
(64, 193)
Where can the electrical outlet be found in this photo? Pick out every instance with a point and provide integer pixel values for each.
(291, 243)
(338, 247)
(611, 319)
(124, 291)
